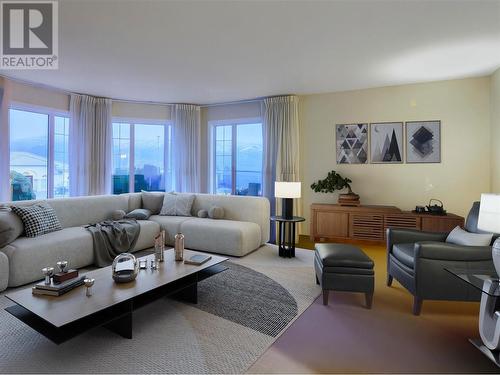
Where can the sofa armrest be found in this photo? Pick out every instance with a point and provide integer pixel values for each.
(395, 236)
(447, 251)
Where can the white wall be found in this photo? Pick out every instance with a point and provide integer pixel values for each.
(495, 131)
(464, 173)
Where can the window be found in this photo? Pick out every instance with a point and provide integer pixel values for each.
(39, 167)
(237, 158)
(141, 150)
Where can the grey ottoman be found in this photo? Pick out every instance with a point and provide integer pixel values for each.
(344, 268)
(4, 271)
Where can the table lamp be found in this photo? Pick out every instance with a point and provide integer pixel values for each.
(287, 191)
(489, 221)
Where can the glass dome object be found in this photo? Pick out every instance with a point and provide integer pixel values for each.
(125, 268)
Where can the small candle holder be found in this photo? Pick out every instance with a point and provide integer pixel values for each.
(154, 264)
(143, 264)
(88, 284)
(63, 265)
(48, 272)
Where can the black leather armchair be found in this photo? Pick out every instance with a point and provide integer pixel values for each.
(418, 260)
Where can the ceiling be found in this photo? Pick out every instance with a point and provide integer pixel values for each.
(218, 51)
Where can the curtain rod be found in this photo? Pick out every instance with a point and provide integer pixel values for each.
(48, 87)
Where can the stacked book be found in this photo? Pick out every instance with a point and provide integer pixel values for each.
(57, 289)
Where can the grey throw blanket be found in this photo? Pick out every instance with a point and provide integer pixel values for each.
(112, 238)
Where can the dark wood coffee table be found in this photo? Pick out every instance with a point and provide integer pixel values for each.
(111, 305)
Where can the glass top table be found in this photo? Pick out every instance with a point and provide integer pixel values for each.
(477, 277)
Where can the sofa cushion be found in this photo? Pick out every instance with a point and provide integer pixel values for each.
(11, 226)
(458, 236)
(177, 204)
(4, 271)
(405, 253)
(216, 212)
(27, 256)
(139, 214)
(230, 237)
(149, 230)
(153, 201)
(118, 215)
(37, 219)
(171, 225)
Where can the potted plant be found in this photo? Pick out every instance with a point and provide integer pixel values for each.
(333, 182)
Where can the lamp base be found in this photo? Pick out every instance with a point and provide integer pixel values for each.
(287, 208)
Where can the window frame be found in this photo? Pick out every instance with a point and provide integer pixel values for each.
(51, 113)
(212, 127)
(132, 121)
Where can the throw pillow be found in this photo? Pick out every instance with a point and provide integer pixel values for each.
(216, 212)
(11, 226)
(118, 215)
(139, 214)
(458, 236)
(152, 201)
(203, 213)
(37, 219)
(177, 204)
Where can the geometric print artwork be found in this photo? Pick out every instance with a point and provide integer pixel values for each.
(423, 142)
(352, 143)
(386, 142)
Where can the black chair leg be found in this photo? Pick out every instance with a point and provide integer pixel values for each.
(369, 300)
(325, 297)
(417, 305)
(317, 280)
(389, 280)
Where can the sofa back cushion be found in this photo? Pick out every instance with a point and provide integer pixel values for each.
(241, 208)
(11, 226)
(77, 211)
(152, 201)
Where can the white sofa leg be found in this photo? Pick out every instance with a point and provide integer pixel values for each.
(4, 271)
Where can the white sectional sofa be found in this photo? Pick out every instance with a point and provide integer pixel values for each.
(244, 228)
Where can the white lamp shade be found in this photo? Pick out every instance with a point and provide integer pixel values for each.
(489, 213)
(287, 189)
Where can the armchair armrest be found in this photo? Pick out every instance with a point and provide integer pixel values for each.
(447, 251)
(395, 236)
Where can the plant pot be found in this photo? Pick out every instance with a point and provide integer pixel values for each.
(349, 199)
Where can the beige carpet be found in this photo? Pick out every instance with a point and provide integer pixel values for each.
(169, 336)
(344, 337)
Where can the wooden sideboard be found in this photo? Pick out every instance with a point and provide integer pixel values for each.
(332, 222)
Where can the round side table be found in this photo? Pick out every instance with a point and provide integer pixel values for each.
(286, 234)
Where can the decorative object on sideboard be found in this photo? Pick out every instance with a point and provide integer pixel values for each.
(48, 272)
(434, 208)
(386, 142)
(423, 141)
(89, 283)
(179, 247)
(333, 182)
(287, 191)
(419, 209)
(125, 268)
(489, 221)
(352, 143)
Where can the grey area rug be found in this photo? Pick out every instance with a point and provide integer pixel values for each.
(240, 313)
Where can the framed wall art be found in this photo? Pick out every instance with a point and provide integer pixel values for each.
(352, 143)
(423, 141)
(386, 142)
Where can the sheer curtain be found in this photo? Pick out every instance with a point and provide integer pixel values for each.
(90, 143)
(281, 147)
(4, 145)
(186, 148)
